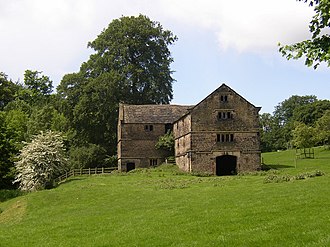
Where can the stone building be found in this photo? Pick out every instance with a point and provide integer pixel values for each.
(219, 135)
(139, 128)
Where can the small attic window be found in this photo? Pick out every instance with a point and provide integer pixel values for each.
(224, 98)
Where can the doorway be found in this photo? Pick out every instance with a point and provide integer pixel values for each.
(130, 166)
(226, 165)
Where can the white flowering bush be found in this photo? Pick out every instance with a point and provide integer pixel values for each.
(40, 161)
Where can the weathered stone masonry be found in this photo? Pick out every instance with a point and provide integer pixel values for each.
(139, 127)
(220, 135)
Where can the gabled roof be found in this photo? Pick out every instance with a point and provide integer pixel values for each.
(224, 87)
(166, 113)
(153, 113)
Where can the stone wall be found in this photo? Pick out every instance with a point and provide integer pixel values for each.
(137, 145)
(182, 142)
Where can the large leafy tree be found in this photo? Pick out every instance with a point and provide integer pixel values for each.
(131, 64)
(285, 110)
(277, 129)
(7, 150)
(316, 49)
(136, 50)
(8, 90)
(310, 113)
(37, 87)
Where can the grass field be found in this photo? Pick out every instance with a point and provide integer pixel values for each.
(162, 207)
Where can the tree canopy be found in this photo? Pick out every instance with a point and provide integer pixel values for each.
(131, 64)
(316, 49)
(299, 121)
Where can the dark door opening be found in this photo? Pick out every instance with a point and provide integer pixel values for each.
(226, 165)
(130, 166)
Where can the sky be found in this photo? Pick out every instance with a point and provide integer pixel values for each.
(231, 42)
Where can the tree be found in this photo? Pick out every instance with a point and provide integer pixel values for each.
(310, 113)
(40, 161)
(304, 136)
(323, 128)
(136, 50)
(131, 64)
(316, 49)
(16, 123)
(87, 156)
(7, 150)
(8, 90)
(37, 87)
(166, 142)
(283, 118)
(284, 111)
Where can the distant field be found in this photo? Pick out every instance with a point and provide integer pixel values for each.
(162, 207)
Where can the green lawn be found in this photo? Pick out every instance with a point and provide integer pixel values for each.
(162, 207)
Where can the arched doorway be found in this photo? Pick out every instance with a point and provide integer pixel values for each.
(226, 165)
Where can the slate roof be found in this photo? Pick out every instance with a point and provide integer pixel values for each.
(153, 113)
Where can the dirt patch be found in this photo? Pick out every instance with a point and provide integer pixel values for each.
(14, 212)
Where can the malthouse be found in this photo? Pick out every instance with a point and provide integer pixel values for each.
(220, 135)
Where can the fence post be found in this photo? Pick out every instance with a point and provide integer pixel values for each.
(102, 170)
(89, 171)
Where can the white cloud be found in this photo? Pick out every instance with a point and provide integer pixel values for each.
(51, 35)
(41, 35)
(255, 25)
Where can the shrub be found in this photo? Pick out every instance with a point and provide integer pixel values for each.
(40, 161)
(273, 178)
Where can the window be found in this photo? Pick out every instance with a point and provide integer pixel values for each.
(168, 127)
(225, 115)
(153, 162)
(149, 127)
(224, 98)
(225, 137)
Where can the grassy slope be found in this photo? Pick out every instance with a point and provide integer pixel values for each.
(157, 208)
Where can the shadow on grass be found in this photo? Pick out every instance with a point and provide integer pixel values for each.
(266, 167)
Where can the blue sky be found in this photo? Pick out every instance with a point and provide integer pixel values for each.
(232, 42)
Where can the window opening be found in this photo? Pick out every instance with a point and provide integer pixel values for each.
(168, 127)
(153, 162)
(148, 127)
(225, 137)
(225, 115)
(223, 98)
